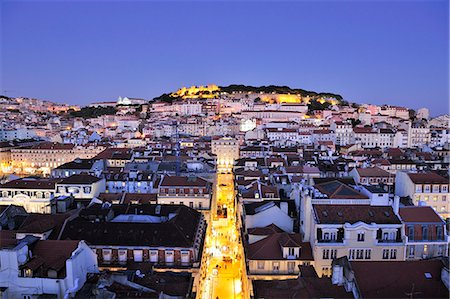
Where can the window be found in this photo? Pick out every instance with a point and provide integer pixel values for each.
(169, 256)
(360, 237)
(359, 254)
(411, 250)
(333, 253)
(419, 188)
(261, 265)
(427, 188)
(122, 255)
(439, 233)
(368, 253)
(351, 254)
(393, 254)
(325, 254)
(191, 204)
(137, 254)
(435, 188)
(444, 198)
(275, 266)
(385, 254)
(411, 232)
(28, 273)
(106, 255)
(444, 188)
(291, 267)
(185, 257)
(153, 256)
(291, 251)
(424, 233)
(325, 271)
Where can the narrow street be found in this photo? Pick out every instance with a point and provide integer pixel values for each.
(223, 272)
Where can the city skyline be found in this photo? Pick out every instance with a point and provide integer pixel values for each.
(367, 52)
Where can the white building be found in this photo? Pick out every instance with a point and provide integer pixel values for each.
(81, 186)
(32, 267)
(426, 188)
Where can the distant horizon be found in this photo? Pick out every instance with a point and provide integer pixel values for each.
(220, 85)
(375, 52)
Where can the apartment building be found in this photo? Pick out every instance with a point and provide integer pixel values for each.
(426, 235)
(193, 192)
(425, 188)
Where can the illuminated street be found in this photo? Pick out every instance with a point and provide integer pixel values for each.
(223, 269)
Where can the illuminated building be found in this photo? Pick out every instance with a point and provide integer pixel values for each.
(227, 151)
(36, 195)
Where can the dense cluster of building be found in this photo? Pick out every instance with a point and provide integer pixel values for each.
(343, 201)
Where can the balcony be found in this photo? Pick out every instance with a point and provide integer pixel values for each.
(328, 241)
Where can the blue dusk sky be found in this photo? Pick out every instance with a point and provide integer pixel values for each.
(393, 52)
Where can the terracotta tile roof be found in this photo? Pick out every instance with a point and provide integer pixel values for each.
(419, 214)
(142, 198)
(388, 279)
(179, 231)
(78, 179)
(301, 287)
(183, 181)
(270, 248)
(51, 254)
(427, 178)
(302, 169)
(115, 153)
(363, 130)
(341, 214)
(264, 231)
(31, 183)
(53, 146)
(110, 197)
(372, 172)
(78, 164)
(40, 223)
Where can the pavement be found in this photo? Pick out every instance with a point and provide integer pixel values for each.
(223, 268)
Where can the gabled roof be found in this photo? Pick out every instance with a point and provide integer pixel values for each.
(50, 254)
(338, 190)
(78, 164)
(264, 231)
(372, 172)
(427, 178)
(271, 247)
(77, 179)
(419, 214)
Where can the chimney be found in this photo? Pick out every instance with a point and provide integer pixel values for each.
(396, 204)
